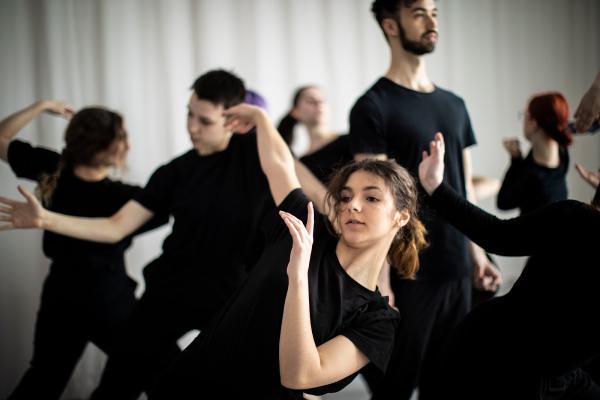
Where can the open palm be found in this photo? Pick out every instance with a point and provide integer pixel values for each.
(21, 215)
(302, 237)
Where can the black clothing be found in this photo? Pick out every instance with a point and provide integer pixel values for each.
(539, 334)
(87, 295)
(325, 161)
(239, 355)
(217, 201)
(399, 122)
(528, 185)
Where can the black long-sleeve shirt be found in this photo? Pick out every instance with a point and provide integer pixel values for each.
(548, 322)
(528, 185)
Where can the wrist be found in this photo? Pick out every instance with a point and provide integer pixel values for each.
(297, 281)
(45, 219)
(430, 186)
(41, 105)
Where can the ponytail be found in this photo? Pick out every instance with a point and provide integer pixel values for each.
(404, 251)
(286, 128)
(551, 112)
(48, 181)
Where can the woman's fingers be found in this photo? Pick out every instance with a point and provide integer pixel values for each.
(293, 231)
(297, 224)
(310, 223)
(7, 201)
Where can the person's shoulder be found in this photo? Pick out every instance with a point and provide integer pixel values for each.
(448, 95)
(180, 160)
(239, 141)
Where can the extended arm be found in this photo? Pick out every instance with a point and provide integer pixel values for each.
(12, 125)
(302, 364)
(524, 235)
(276, 160)
(30, 214)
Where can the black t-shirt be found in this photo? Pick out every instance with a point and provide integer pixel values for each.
(400, 123)
(325, 161)
(217, 202)
(547, 323)
(528, 185)
(76, 197)
(240, 351)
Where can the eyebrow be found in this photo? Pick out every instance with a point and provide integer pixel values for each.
(363, 189)
(423, 9)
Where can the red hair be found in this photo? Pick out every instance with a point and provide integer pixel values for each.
(551, 112)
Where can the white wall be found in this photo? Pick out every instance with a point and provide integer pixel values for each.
(140, 57)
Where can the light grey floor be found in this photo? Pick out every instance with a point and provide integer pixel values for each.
(357, 390)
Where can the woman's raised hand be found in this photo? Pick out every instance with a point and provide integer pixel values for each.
(431, 168)
(302, 237)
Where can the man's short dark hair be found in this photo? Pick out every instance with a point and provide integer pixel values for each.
(220, 87)
(388, 8)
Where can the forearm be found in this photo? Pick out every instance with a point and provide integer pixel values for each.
(276, 160)
(298, 355)
(12, 125)
(104, 230)
(312, 187)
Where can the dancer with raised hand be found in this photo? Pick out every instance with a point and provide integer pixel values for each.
(87, 295)
(543, 330)
(541, 177)
(216, 193)
(313, 325)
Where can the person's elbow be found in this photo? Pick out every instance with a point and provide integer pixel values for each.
(114, 231)
(296, 380)
(502, 203)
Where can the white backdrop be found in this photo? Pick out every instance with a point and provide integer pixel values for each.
(140, 57)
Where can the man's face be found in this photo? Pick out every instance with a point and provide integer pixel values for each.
(417, 27)
(205, 123)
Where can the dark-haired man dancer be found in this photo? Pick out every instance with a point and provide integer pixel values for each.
(397, 118)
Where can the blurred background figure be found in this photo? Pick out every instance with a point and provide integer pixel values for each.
(540, 177)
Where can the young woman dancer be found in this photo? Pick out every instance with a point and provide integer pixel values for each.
(327, 150)
(310, 326)
(539, 178)
(534, 340)
(87, 295)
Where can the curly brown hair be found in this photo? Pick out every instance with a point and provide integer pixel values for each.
(410, 240)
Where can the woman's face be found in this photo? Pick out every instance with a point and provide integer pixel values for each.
(367, 213)
(311, 108)
(529, 125)
(116, 154)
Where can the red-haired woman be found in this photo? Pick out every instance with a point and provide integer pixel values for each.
(539, 178)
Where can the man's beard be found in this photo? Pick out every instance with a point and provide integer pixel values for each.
(416, 47)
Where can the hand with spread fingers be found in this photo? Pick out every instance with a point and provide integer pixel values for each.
(431, 168)
(21, 215)
(302, 237)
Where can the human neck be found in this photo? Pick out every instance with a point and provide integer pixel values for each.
(363, 264)
(319, 137)
(90, 174)
(545, 152)
(206, 150)
(409, 70)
